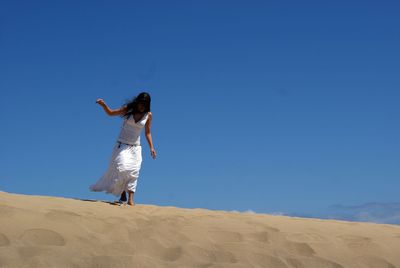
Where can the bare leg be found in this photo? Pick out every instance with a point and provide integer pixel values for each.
(130, 198)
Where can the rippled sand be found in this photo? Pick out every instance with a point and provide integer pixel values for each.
(40, 231)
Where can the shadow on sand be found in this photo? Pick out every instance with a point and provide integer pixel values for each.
(113, 203)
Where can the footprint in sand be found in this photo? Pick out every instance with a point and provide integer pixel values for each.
(199, 253)
(299, 248)
(168, 254)
(355, 241)
(225, 236)
(306, 237)
(267, 236)
(150, 246)
(263, 226)
(224, 256)
(4, 240)
(43, 237)
(268, 261)
(61, 215)
(262, 237)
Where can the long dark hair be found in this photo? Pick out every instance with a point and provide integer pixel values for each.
(132, 105)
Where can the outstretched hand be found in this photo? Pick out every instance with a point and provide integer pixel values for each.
(100, 101)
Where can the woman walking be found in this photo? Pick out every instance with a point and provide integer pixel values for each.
(123, 170)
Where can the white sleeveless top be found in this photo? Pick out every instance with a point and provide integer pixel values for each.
(130, 130)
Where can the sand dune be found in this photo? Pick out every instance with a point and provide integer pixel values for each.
(39, 231)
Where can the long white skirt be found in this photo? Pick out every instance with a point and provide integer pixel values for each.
(123, 170)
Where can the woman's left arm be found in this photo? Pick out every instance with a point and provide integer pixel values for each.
(148, 136)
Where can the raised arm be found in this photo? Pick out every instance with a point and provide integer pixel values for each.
(110, 112)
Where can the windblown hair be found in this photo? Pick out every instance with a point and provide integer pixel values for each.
(132, 105)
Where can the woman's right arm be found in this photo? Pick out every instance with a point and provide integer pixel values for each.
(120, 111)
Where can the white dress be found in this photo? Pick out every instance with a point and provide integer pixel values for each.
(124, 166)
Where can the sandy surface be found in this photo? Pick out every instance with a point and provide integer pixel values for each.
(40, 231)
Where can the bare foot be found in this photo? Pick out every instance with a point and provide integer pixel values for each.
(123, 197)
(130, 198)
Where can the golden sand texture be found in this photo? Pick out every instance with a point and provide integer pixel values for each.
(40, 231)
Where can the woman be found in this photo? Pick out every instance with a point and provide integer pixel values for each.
(123, 170)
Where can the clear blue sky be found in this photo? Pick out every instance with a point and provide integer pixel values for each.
(271, 107)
